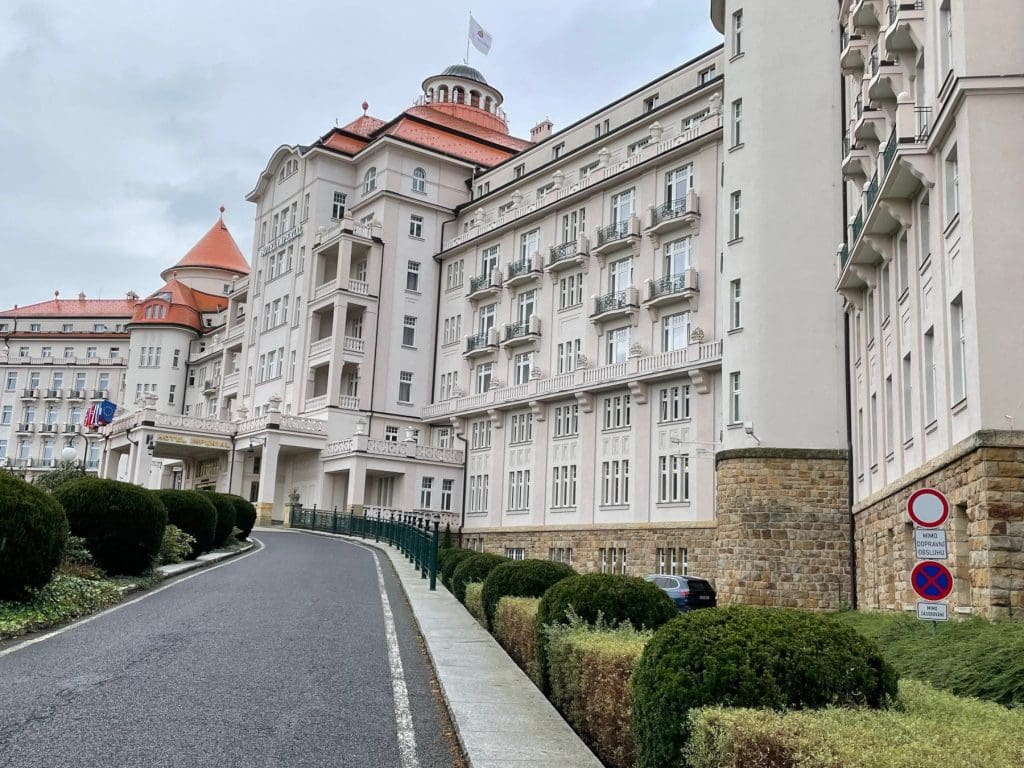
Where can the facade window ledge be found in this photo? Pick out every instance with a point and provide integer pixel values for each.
(959, 406)
(903, 296)
(569, 307)
(885, 322)
(908, 443)
(480, 513)
(614, 506)
(683, 503)
(670, 422)
(737, 56)
(566, 437)
(734, 147)
(926, 262)
(952, 225)
(733, 331)
(520, 443)
(616, 429)
(931, 426)
(734, 425)
(557, 510)
(411, 291)
(860, 478)
(946, 87)
(406, 404)
(408, 346)
(735, 240)
(856, 363)
(413, 237)
(889, 457)
(874, 468)
(871, 343)
(517, 511)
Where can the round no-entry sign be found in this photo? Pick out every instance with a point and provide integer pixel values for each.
(931, 580)
(928, 508)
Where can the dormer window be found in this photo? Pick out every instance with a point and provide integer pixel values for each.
(370, 181)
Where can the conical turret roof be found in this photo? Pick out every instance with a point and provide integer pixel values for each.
(216, 249)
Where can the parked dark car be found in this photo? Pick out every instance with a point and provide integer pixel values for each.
(687, 592)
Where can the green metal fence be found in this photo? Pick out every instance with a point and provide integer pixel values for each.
(414, 536)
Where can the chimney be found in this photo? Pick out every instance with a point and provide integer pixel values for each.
(81, 295)
(541, 131)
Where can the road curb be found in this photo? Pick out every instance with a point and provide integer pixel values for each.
(177, 569)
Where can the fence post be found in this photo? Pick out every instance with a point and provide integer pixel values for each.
(294, 510)
(424, 548)
(433, 559)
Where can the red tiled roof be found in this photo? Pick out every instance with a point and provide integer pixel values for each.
(445, 118)
(217, 249)
(185, 307)
(347, 144)
(74, 308)
(433, 136)
(364, 125)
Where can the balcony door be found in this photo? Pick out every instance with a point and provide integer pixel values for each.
(526, 306)
(573, 225)
(487, 318)
(621, 275)
(489, 260)
(677, 257)
(678, 183)
(623, 206)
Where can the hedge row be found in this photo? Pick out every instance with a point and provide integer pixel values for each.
(474, 601)
(33, 532)
(513, 624)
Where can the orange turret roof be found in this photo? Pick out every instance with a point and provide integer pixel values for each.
(177, 304)
(216, 250)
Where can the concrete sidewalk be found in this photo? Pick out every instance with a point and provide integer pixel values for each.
(502, 719)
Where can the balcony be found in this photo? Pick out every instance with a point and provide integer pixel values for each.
(866, 14)
(615, 237)
(856, 161)
(359, 286)
(210, 386)
(524, 271)
(569, 254)
(316, 403)
(684, 212)
(672, 288)
(870, 125)
(484, 285)
(517, 334)
(349, 402)
(23, 463)
(231, 379)
(76, 394)
(48, 429)
(615, 304)
(29, 394)
(98, 394)
(25, 429)
(854, 54)
(905, 31)
(52, 394)
(71, 429)
(47, 463)
(481, 344)
(321, 347)
(886, 78)
(355, 344)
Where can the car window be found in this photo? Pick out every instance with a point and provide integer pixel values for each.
(699, 585)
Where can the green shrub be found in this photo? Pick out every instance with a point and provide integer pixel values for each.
(521, 578)
(448, 560)
(928, 728)
(589, 669)
(64, 473)
(474, 603)
(245, 515)
(749, 657)
(175, 546)
(513, 629)
(121, 523)
(611, 598)
(33, 532)
(194, 513)
(979, 658)
(446, 537)
(473, 568)
(64, 597)
(225, 506)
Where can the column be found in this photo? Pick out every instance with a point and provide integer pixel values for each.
(338, 348)
(588, 489)
(642, 471)
(235, 472)
(355, 497)
(499, 471)
(268, 481)
(143, 462)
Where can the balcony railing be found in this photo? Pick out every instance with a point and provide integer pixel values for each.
(349, 402)
(612, 232)
(564, 251)
(670, 210)
(873, 60)
(844, 255)
(519, 268)
(611, 301)
(480, 341)
(857, 226)
(354, 344)
(922, 117)
(479, 282)
(517, 330)
(871, 193)
(889, 153)
(669, 284)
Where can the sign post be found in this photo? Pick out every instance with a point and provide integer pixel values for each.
(931, 580)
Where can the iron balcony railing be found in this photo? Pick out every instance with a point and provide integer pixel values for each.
(857, 226)
(564, 251)
(922, 116)
(871, 193)
(670, 210)
(858, 106)
(479, 282)
(518, 268)
(873, 60)
(844, 38)
(613, 232)
(895, 8)
(844, 255)
(611, 301)
(480, 341)
(416, 537)
(517, 330)
(669, 284)
(889, 153)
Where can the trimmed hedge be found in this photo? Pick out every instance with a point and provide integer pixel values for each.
(929, 728)
(225, 507)
(590, 671)
(194, 513)
(122, 524)
(612, 598)
(513, 629)
(245, 515)
(33, 533)
(750, 657)
(474, 603)
(448, 560)
(521, 578)
(474, 568)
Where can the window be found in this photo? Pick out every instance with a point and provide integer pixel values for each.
(675, 333)
(929, 376)
(529, 244)
(737, 122)
(563, 486)
(735, 305)
(444, 437)
(480, 435)
(454, 274)
(674, 403)
(560, 554)
(489, 260)
(958, 347)
(426, 487)
(416, 226)
(519, 171)
(623, 206)
(734, 216)
(924, 219)
(6, 415)
(34, 327)
(412, 276)
(946, 37)
(612, 560)
(705, 76)
(616, 412)
(487, 315)
(338, 209)
(651, 103)
(419, 181)
(677, 183)
(447, 486)
(452, 329)
(673, 479)
(620, 275)
(557, 151)
(671, 561)
(873, 428)
(734, 398)
(47, 352)
(483, 189)
(617, 350)
(447, 386)
(952, 166)
(570, 291)
(908, 399)
(523, 365)
(636, 146)
(69, 351)
(615, 482)
(573, 225)
(567, 354)
(588, 170)
(518, 490)
(902, 268)
(405, 387)
(483, 376)
(90, 352)
(12, 381)
(543, 190)
(409, 331)
(883, 288)
(522, 428)
(369, 180)
(515, 553)
(478, 493)
(567, 420)
(390, 433)
(600, 129)
(737, 33)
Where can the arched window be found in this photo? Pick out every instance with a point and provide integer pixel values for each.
(430, 95)
(487, 103)
(442, 93)
(457, 94)
(370, 181)
(419, 180)
(474, 98)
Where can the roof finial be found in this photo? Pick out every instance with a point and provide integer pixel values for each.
(222, 210)
(366, 106)
(56, 294)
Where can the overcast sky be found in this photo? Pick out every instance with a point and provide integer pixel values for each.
(124, 124)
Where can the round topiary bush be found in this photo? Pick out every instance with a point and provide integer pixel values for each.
(225, 517)
(615, 598)
(33, 532)
(521, 578)
(747, 656)
(473, 568)
(122, 524)
(448, 560)
(194, 513)
(245, 515)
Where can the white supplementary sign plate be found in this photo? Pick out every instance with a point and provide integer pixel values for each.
(930, 544)
(932, 611)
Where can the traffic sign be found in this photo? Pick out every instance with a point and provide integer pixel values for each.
(931, 580)
(932, 611)
(928, 508)
(930, 544)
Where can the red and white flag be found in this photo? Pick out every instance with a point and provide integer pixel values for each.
(480, 38)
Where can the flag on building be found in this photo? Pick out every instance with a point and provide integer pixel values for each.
(90, 417)
(480, 38)
(105, 411)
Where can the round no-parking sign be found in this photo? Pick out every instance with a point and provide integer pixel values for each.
(931, 580)
(928, 508)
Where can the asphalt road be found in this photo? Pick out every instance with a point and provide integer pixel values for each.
(277, 658)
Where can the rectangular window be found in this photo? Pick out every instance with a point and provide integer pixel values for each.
(453, 275)
(735, 304)
(447, 487)
(623, 206)
(673, 479)
(522, 428)
(515, 553)
(924, 222)
(416, 226)
(889, 405)
(952, 166)
(567, 420)
(563, 486)
(929, 376)
(615, 482)
(519, 490)
(390, 433)
(734, 215)
(484, 372)
(884, 288)
(412, 276)
(522, 367)
(478, 492)
(409, 331)
(674, 403)
(519, 171)
(338, 209)
(560, 554)
(170, 394)
(617, 349)
(426, 488)
(873, 428)
(737, 33)
(705, 76)
(12, 381)
(6, 415)
(737, 122)
(636, 146)
(675, 331)
(405, 387)
(557, 151)
(908, 398)
(734, 398)
(651, 103)
(958, 348)
(568, 353)
(480, 435)
(616, 412)
(902, 266)
(570, 291)
(946, 37)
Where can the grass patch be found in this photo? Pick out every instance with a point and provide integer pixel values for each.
(973, 657)
(64, 598)
(475, 601)
(513, 628)
(929, 727)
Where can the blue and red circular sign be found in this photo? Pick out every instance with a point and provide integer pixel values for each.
(931, 580)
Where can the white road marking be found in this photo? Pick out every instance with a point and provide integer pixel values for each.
(119, 606)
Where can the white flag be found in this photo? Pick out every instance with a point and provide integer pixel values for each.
(481, 39)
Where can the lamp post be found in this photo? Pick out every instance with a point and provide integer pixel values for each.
(69, 455)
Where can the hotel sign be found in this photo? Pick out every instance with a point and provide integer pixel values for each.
(283, 239)
(198, 442)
